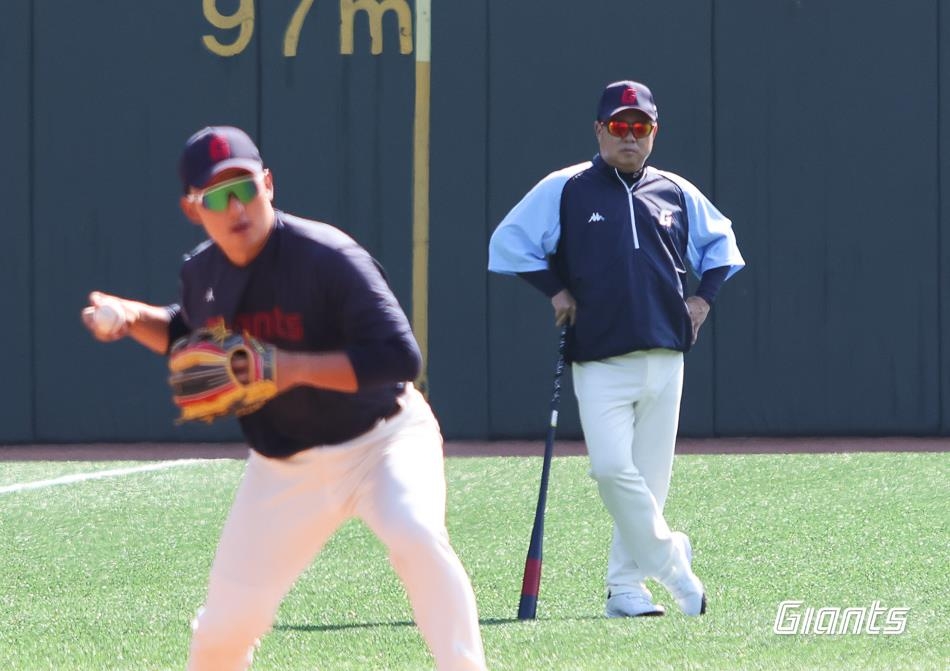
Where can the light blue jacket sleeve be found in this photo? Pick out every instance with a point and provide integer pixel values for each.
(712, 243)
(529, 233)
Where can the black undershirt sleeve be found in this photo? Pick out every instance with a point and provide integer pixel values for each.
(711, 282)
(544, 281)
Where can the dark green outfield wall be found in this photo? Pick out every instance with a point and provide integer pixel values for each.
(821, 128)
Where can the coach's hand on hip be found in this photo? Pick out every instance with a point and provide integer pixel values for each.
(698, 311)
(565, 308)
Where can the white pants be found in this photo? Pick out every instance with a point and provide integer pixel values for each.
(392, 478)
(629, 409)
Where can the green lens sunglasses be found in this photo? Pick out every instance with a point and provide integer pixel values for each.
(218, 196)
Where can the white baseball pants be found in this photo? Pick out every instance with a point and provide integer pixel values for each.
(629, 409)
(285, 510)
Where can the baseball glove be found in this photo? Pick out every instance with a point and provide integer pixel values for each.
(215, 373)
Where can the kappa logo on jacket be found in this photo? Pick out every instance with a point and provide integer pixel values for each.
(596, 216)
(209, 295)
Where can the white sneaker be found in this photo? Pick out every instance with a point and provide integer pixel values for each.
(632, 604)
(682, 583)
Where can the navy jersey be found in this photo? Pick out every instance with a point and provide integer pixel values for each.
(621, 249)
(312, 288)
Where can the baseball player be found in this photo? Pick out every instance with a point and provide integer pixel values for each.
(346, 436)
(608, 242)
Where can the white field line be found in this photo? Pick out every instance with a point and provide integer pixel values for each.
(96, 475)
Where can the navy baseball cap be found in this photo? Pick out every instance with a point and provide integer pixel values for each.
(213, 149)
(626, 95)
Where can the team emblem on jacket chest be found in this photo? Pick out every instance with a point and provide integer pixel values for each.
(666, 218)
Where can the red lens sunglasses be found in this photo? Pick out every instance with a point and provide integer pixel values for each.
(640, 129)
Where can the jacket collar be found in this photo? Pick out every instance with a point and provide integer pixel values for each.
(602, 167)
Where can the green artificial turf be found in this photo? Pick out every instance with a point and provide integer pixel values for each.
(106, 574)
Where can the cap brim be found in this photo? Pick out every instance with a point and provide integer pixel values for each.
(248, 164)
(632, 107)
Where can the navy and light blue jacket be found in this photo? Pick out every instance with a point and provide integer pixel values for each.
(622, 250)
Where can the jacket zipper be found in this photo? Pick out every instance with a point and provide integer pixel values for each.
(633, 219)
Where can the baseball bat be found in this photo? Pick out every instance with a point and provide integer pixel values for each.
(531, 581)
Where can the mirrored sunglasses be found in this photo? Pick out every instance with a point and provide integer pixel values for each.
(217, 197)
(640, 129)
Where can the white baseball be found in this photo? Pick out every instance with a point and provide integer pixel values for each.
(107, 319)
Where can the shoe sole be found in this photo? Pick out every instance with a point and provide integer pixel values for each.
(660, 610)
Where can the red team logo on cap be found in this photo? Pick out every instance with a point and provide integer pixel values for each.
(218, 149)
(629, 97)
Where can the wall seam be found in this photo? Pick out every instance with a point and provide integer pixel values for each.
(941, 267)
(715, 187)
(31, 219)
(489, 430)
(259, 130)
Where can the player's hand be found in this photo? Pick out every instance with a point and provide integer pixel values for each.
(107, 317)
(698, 310)
(565, 308)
